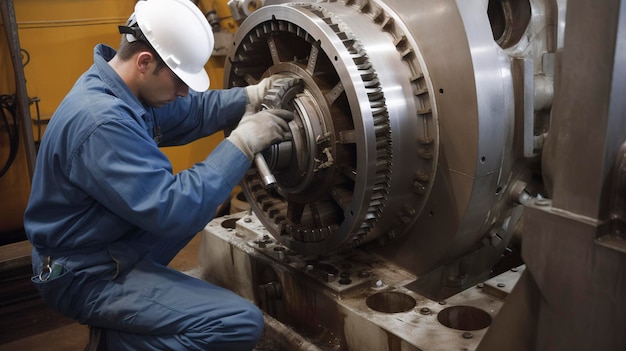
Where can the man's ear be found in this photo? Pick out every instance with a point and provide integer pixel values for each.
(143, 61)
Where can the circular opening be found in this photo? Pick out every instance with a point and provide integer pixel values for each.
(440, 91)
(464, 318)
(509, 20)
(390, 302)
(252, 6)
(230, 223)
(495, 12)
(483, 159)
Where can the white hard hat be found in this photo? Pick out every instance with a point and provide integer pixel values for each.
(180, 34)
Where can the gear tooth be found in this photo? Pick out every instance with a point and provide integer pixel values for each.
(381, 123)
(282, 88)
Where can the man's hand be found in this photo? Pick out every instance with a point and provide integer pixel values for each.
(258, 131)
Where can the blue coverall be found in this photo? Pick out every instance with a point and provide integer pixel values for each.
(106, 206)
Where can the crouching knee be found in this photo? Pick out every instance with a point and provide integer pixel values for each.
(240, 330)
(252, 324)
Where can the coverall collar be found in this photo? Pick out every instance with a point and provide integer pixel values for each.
(102, 55)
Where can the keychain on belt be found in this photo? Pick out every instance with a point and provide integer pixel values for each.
(50, 270)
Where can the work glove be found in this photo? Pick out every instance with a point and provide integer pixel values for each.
(258, 131)
(257, 92)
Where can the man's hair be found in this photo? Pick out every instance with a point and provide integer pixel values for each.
(127, 49)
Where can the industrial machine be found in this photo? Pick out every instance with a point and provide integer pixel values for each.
(414, 126)
(391, 218)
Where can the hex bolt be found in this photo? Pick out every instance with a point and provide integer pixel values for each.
(247, 220)
(518, 192)
(480, 285)
(468, 335)
(501, 285)
(425, 311)
(270, 291)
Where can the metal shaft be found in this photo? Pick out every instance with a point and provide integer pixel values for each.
(267, 178)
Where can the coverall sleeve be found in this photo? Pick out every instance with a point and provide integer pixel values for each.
(121, 167)
(200, 114)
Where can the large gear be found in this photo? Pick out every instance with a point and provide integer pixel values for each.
(336, 188)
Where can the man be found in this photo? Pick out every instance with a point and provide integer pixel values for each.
(106, 213)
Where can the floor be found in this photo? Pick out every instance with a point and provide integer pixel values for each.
(27, 324)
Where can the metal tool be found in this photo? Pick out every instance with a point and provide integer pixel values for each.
(267, 178)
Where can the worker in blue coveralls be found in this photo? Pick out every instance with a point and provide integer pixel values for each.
(106, 213)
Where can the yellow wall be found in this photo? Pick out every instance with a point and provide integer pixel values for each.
(60, 35)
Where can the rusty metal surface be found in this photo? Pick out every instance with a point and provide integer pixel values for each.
(374, 311)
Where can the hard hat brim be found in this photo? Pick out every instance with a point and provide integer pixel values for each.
(198, 81)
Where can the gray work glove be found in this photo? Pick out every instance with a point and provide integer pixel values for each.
(258, 131)
(257, 92)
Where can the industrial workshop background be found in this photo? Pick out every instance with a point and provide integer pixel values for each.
(515, 129)
(56, 40)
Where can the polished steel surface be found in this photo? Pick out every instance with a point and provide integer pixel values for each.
(424, 115)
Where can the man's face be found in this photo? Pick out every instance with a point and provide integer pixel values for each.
(161, 86)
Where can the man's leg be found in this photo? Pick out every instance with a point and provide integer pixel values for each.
(152, 307)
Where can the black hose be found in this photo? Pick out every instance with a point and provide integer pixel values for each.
(9, 103)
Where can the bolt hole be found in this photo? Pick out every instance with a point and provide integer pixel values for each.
(483, 159)
(509, 20)
(498, 190)
(464, 318)
(390, 302)
(440, 91)
(336, 58)
(431, 213)
(230, 223)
